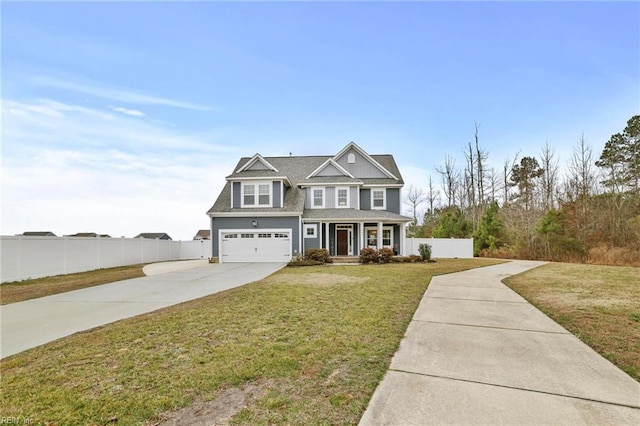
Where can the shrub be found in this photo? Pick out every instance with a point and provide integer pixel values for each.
(319, 255)
(401, 259)
(385, 255)
(425, 252)
(369, 254)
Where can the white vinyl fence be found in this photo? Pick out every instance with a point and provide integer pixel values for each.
(442, 247)
(35, 257)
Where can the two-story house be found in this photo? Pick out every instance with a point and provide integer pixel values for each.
(274, 208)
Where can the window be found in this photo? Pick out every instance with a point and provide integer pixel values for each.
(342, 197)
(264, 194)
(247, 235)
(378, 199)
(310, 231)
(386, 237)
(318, 197)
(249, 195)
(264, 235)
(280, 235)
(256, 194)
(230, 236)
(372, 237)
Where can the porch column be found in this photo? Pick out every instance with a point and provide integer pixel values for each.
(379, 235)
(361, 237)
(402, 239)
(326, 238)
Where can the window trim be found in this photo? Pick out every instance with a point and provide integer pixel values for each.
(313, 198)
(338, 189)
(313, 227)
(384, 198)
(256, 194)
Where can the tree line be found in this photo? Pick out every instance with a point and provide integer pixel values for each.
(531, 208)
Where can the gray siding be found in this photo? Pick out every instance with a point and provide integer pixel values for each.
(365, 199)
(330, 170)
(312, 243)
(353, 197)
(330, 197)
(362, 167)
(288, 222)
(396, 237)
(237, 195)
(393, 200)
(276, 193)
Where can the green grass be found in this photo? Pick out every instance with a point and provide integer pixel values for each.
(19, 291)
(312, 344)
(599, 304)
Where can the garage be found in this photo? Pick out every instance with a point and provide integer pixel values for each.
(250, 245)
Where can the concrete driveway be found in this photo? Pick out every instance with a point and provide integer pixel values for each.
(35, 322)
(476, 352)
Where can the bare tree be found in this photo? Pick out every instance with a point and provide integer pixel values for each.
(432, 196)
(549, 178)
(449, 179)
(415, 197)
(506, 176)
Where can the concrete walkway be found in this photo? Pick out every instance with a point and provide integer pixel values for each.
(35, 322)
(478, 353)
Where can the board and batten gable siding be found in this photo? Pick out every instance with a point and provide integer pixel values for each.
(330, 170)
(362, 168)
(393, 200)
(258, 165)
(286, 222)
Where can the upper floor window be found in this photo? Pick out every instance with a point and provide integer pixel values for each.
(256, 194)
(378, 199)
(318, 197)
(342, 197)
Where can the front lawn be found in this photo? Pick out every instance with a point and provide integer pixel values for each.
(599, 304)
(303, 346)
(19, 291)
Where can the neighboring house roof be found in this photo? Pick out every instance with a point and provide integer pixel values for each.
(301, 171)
(154, 236)
(38, 234)
(203, 234)
(90, 234)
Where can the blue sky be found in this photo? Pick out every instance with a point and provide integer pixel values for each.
(122, 118)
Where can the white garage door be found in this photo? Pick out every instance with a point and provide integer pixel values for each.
(256, 246)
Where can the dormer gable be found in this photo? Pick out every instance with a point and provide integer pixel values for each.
(329, 168)
(358, 163)
(257, 162)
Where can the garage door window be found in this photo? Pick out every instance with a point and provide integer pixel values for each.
(264, 235)
(247, 235)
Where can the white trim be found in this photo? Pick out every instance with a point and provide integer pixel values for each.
(281, 194)
(380, 232)
(383, 185)
(342, 227)
(253, 231)
(345, 188)
(310, 184)
(313, 226)
(252, 161)
(333, 163)
(324, 197)
(384, 199)
(259, 214)
(256, 185)
(366, 156)
(283, 179)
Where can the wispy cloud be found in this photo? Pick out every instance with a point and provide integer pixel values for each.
(131, 112)
(112, 172)
(114, 94)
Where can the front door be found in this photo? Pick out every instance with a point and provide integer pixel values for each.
(342, 242)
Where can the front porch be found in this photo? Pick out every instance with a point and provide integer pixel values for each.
(346, 239)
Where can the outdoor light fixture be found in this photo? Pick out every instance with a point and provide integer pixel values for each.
(254, 223)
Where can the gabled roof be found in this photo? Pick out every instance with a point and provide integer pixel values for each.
(203, 234)
(296, 172)
(327, 165)
(90, 234)
(355, 147)
(255, 159)
(39, 234)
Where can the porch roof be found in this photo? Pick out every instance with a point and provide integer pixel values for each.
(353, 215)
